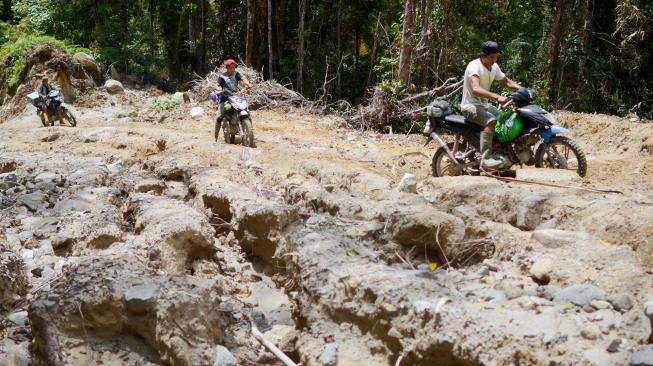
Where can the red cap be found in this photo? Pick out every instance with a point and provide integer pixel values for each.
(230, 62)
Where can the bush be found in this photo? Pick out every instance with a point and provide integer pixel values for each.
(164, 103)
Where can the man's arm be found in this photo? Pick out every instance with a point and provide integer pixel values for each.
(507, 83)
(244, 80)
(478, 90)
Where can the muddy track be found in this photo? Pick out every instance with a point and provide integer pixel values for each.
(148, 243)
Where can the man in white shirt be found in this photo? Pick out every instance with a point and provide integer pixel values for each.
(475, 105)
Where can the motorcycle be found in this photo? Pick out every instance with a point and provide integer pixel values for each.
(236, 120)
(52, 109)
(525, 133)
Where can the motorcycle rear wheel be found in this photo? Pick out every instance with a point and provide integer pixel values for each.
(443, 166)
(248, 132)
(561, 153)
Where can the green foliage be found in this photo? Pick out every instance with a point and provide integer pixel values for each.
(18, 41)
(164, 103)
(342, 105)
(604, 62)
(393, 87)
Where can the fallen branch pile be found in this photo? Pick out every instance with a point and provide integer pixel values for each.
(263, 94)
(385, 108)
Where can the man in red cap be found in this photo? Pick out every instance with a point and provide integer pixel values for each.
(228, 83)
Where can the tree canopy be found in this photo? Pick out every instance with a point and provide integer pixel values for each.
(584, 55)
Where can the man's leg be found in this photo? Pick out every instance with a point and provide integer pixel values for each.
(218, 121)
(490, 114)
(487, 117)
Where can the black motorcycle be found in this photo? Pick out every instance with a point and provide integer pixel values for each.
(525, 134)
(52, 109)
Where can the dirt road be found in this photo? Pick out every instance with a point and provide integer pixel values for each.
(309, 233)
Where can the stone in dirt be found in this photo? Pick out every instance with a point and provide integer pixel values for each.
(283, 336)
(13, 278)
(408, 184)
(8, 180)
(599, 304)
(621, 302)
(89, 65)
(643, 357)
(554, 238)
(580, 295)
(114, 86)
(541, 270)
(329, 356)
(181, 98)
(648, 310)
(19, 318)
(223, 357)
(33, 201)
(197, 112)
(614, 345)
(141, 298)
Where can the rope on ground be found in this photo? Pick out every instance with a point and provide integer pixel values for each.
(508, 179)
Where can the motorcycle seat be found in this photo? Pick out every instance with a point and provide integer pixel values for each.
(455, 118)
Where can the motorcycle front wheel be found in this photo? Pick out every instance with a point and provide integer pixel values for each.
(561, 153)
(43, 120)
(229, 138)
(248, 132)
(70, 118)
(443, 166)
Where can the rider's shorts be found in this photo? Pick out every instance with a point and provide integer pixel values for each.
(480, 114)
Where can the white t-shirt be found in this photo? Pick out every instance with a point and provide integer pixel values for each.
(486, 78)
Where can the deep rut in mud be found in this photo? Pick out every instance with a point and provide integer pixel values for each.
(146, 243)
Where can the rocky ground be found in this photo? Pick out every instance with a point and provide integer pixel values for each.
(135, 239)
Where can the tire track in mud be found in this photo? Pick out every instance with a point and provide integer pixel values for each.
(326, 226)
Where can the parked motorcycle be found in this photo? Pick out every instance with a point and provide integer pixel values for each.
(53, 109)
(237, 120)
(524, 134)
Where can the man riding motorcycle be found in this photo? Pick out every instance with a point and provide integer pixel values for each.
(228, 85)
(475, 105)
(45, 88)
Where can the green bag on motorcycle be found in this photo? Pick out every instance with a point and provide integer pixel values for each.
(509, 127)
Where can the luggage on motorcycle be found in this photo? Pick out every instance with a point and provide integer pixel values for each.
(509, 127)
(439, 108)
(33, 98)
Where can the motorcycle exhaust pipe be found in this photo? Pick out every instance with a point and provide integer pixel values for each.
(443, 145)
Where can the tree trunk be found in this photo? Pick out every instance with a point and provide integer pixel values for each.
(270, 56)
(425, 42)
(405, 57)
(339, 48)
(375, 51)
(152, 11)
(556, 40)
(176, 62)
(280, 17)
(191, 28)
(7, 14)
(300, 49)
(203, 41)
(249, 52)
